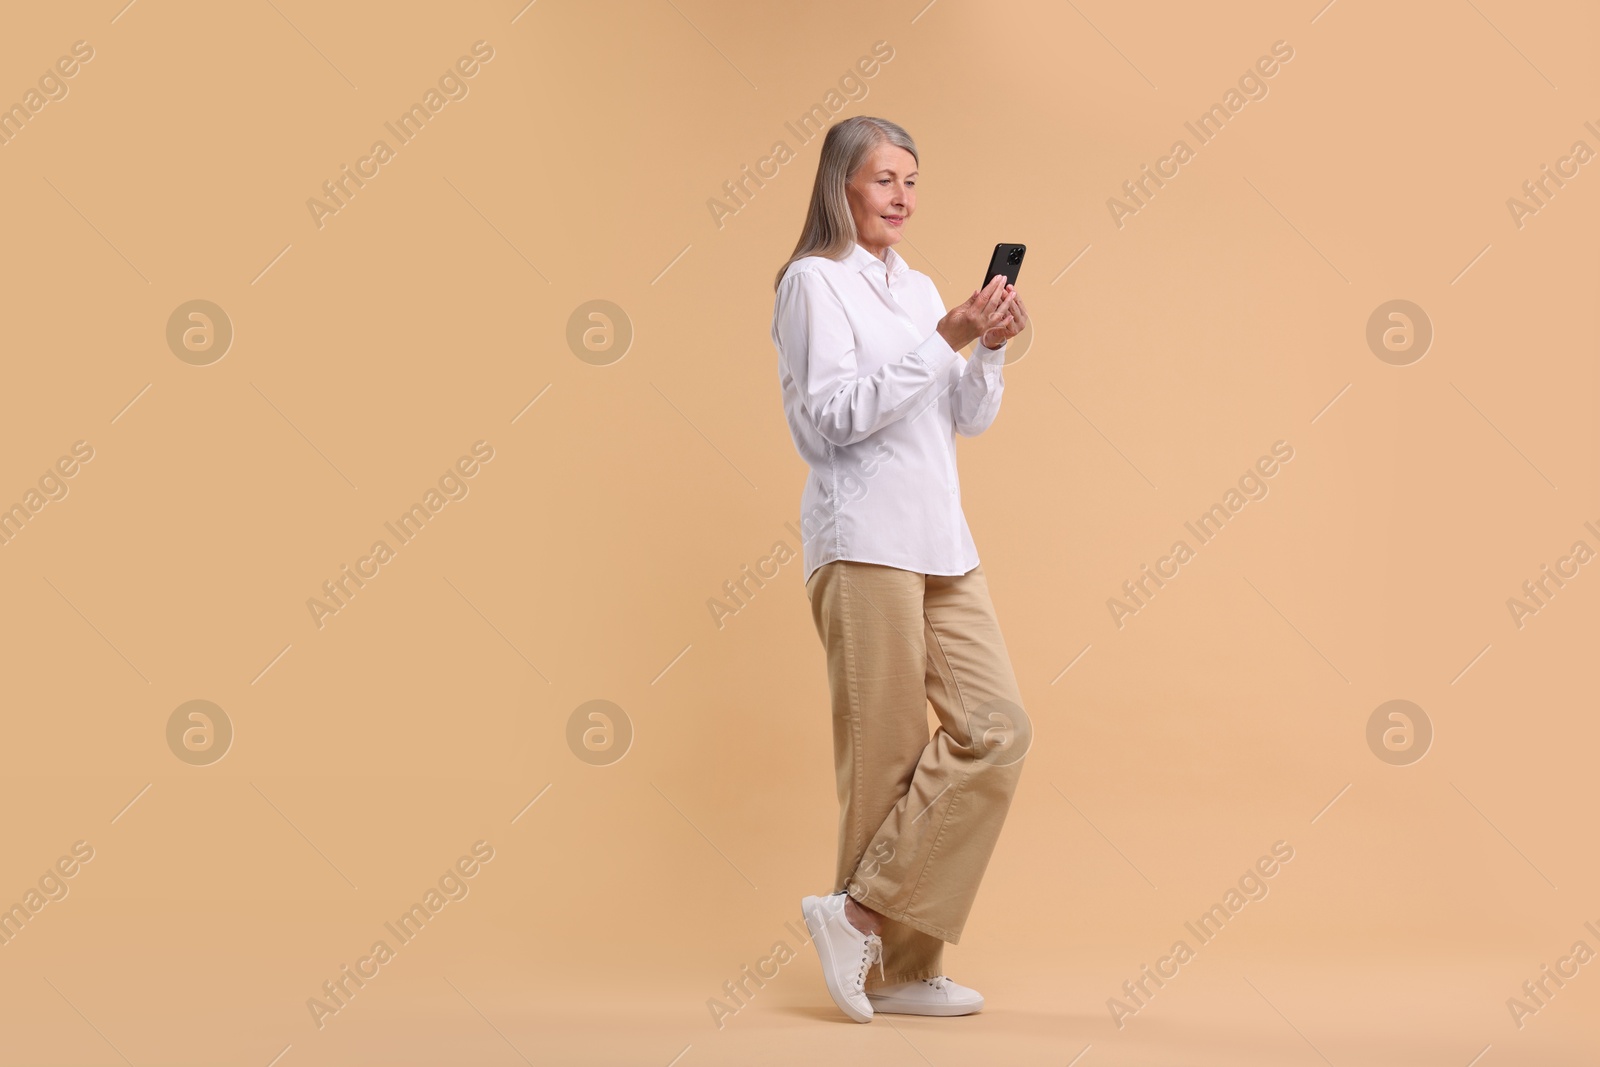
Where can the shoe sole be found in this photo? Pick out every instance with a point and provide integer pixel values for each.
(891, 1007)
(816, 922)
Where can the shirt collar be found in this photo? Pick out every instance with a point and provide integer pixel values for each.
(891, 263)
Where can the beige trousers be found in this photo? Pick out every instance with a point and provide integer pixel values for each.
(918, 815)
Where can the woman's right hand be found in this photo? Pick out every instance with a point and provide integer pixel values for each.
(984, 310)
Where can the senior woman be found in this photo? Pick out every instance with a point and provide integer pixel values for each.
(875, 391)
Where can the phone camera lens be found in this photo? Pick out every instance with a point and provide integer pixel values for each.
(1015, 256)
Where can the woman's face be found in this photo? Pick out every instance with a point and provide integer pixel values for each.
(882, 195)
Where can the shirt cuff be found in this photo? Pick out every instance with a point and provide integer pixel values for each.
(994, 356)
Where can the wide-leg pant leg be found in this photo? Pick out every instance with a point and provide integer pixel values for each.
(939, 836)
(869, 618)
(943, 799)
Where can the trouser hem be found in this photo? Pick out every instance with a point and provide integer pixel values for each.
(864, 897)
(895, 979)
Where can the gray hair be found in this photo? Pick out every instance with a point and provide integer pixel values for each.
(829, 228)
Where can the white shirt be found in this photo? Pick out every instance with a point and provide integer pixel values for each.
(874, 397)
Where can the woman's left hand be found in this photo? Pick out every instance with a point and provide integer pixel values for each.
(1015, 323)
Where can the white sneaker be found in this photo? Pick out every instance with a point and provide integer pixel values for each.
(928, 996)
(846, 953)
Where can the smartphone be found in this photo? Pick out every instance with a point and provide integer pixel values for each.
(1007, 260)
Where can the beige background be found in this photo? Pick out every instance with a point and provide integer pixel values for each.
(431, 310)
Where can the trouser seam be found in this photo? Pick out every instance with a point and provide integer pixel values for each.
(938, 839)
(857, 776)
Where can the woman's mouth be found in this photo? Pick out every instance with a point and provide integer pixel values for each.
(894, 220)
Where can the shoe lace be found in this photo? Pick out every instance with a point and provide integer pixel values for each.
(937, 981)
(872, 952)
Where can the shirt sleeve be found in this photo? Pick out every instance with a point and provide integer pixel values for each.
(978, 390)
(818, 346)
